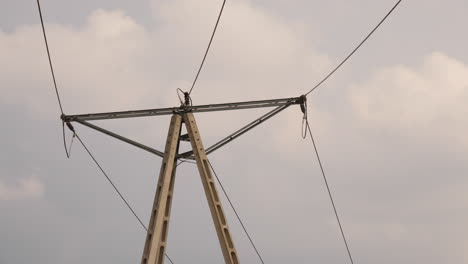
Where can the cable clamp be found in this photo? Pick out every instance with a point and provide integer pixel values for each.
(72, 129)
(305, 122)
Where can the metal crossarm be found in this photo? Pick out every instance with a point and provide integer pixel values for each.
(280, 105)
(185, 109)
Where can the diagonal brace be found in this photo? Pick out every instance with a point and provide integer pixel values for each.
(238, 133)
(121, 138)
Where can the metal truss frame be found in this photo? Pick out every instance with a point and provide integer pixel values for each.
(279, 104)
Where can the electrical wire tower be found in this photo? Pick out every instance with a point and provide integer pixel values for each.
(156, 237)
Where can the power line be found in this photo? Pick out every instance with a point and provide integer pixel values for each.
(53, 76)
(115, 187)
(48, 56)
(330, 194)
(208, 48)
(237, 215)
(192, 87)
(355, 49)
(74, 133)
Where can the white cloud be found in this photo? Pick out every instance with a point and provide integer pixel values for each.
(255, 55)
(28, 188)
(112, 62)
(428, 100)
(94, 65)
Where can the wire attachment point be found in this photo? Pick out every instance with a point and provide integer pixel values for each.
(305, 122)
(302, 100)
(70, 126)
(187, 100)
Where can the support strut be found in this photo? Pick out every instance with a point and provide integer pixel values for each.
(156, 237)
(216, 209)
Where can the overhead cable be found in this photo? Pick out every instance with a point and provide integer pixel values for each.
(355, 49)
(48, 56)
(67, 152)
(330, 195)
(237, 215)
(208, 48)
(115, 187)
(72, 129)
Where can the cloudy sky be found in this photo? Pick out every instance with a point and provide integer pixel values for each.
(391, 127)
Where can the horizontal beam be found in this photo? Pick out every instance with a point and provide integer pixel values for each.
(185, 109)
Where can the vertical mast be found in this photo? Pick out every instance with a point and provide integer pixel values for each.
(216, 209)
(156, 237)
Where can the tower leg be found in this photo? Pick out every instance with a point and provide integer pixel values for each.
(219, 219)
(155, 244)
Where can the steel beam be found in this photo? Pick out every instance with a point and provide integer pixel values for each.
(184, 109)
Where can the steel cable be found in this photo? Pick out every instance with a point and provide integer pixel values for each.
(208, 48)
(237, 215)
(355, 49)
(330, 195)
(115, 187)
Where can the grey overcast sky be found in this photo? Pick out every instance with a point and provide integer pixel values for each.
(391, 126)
